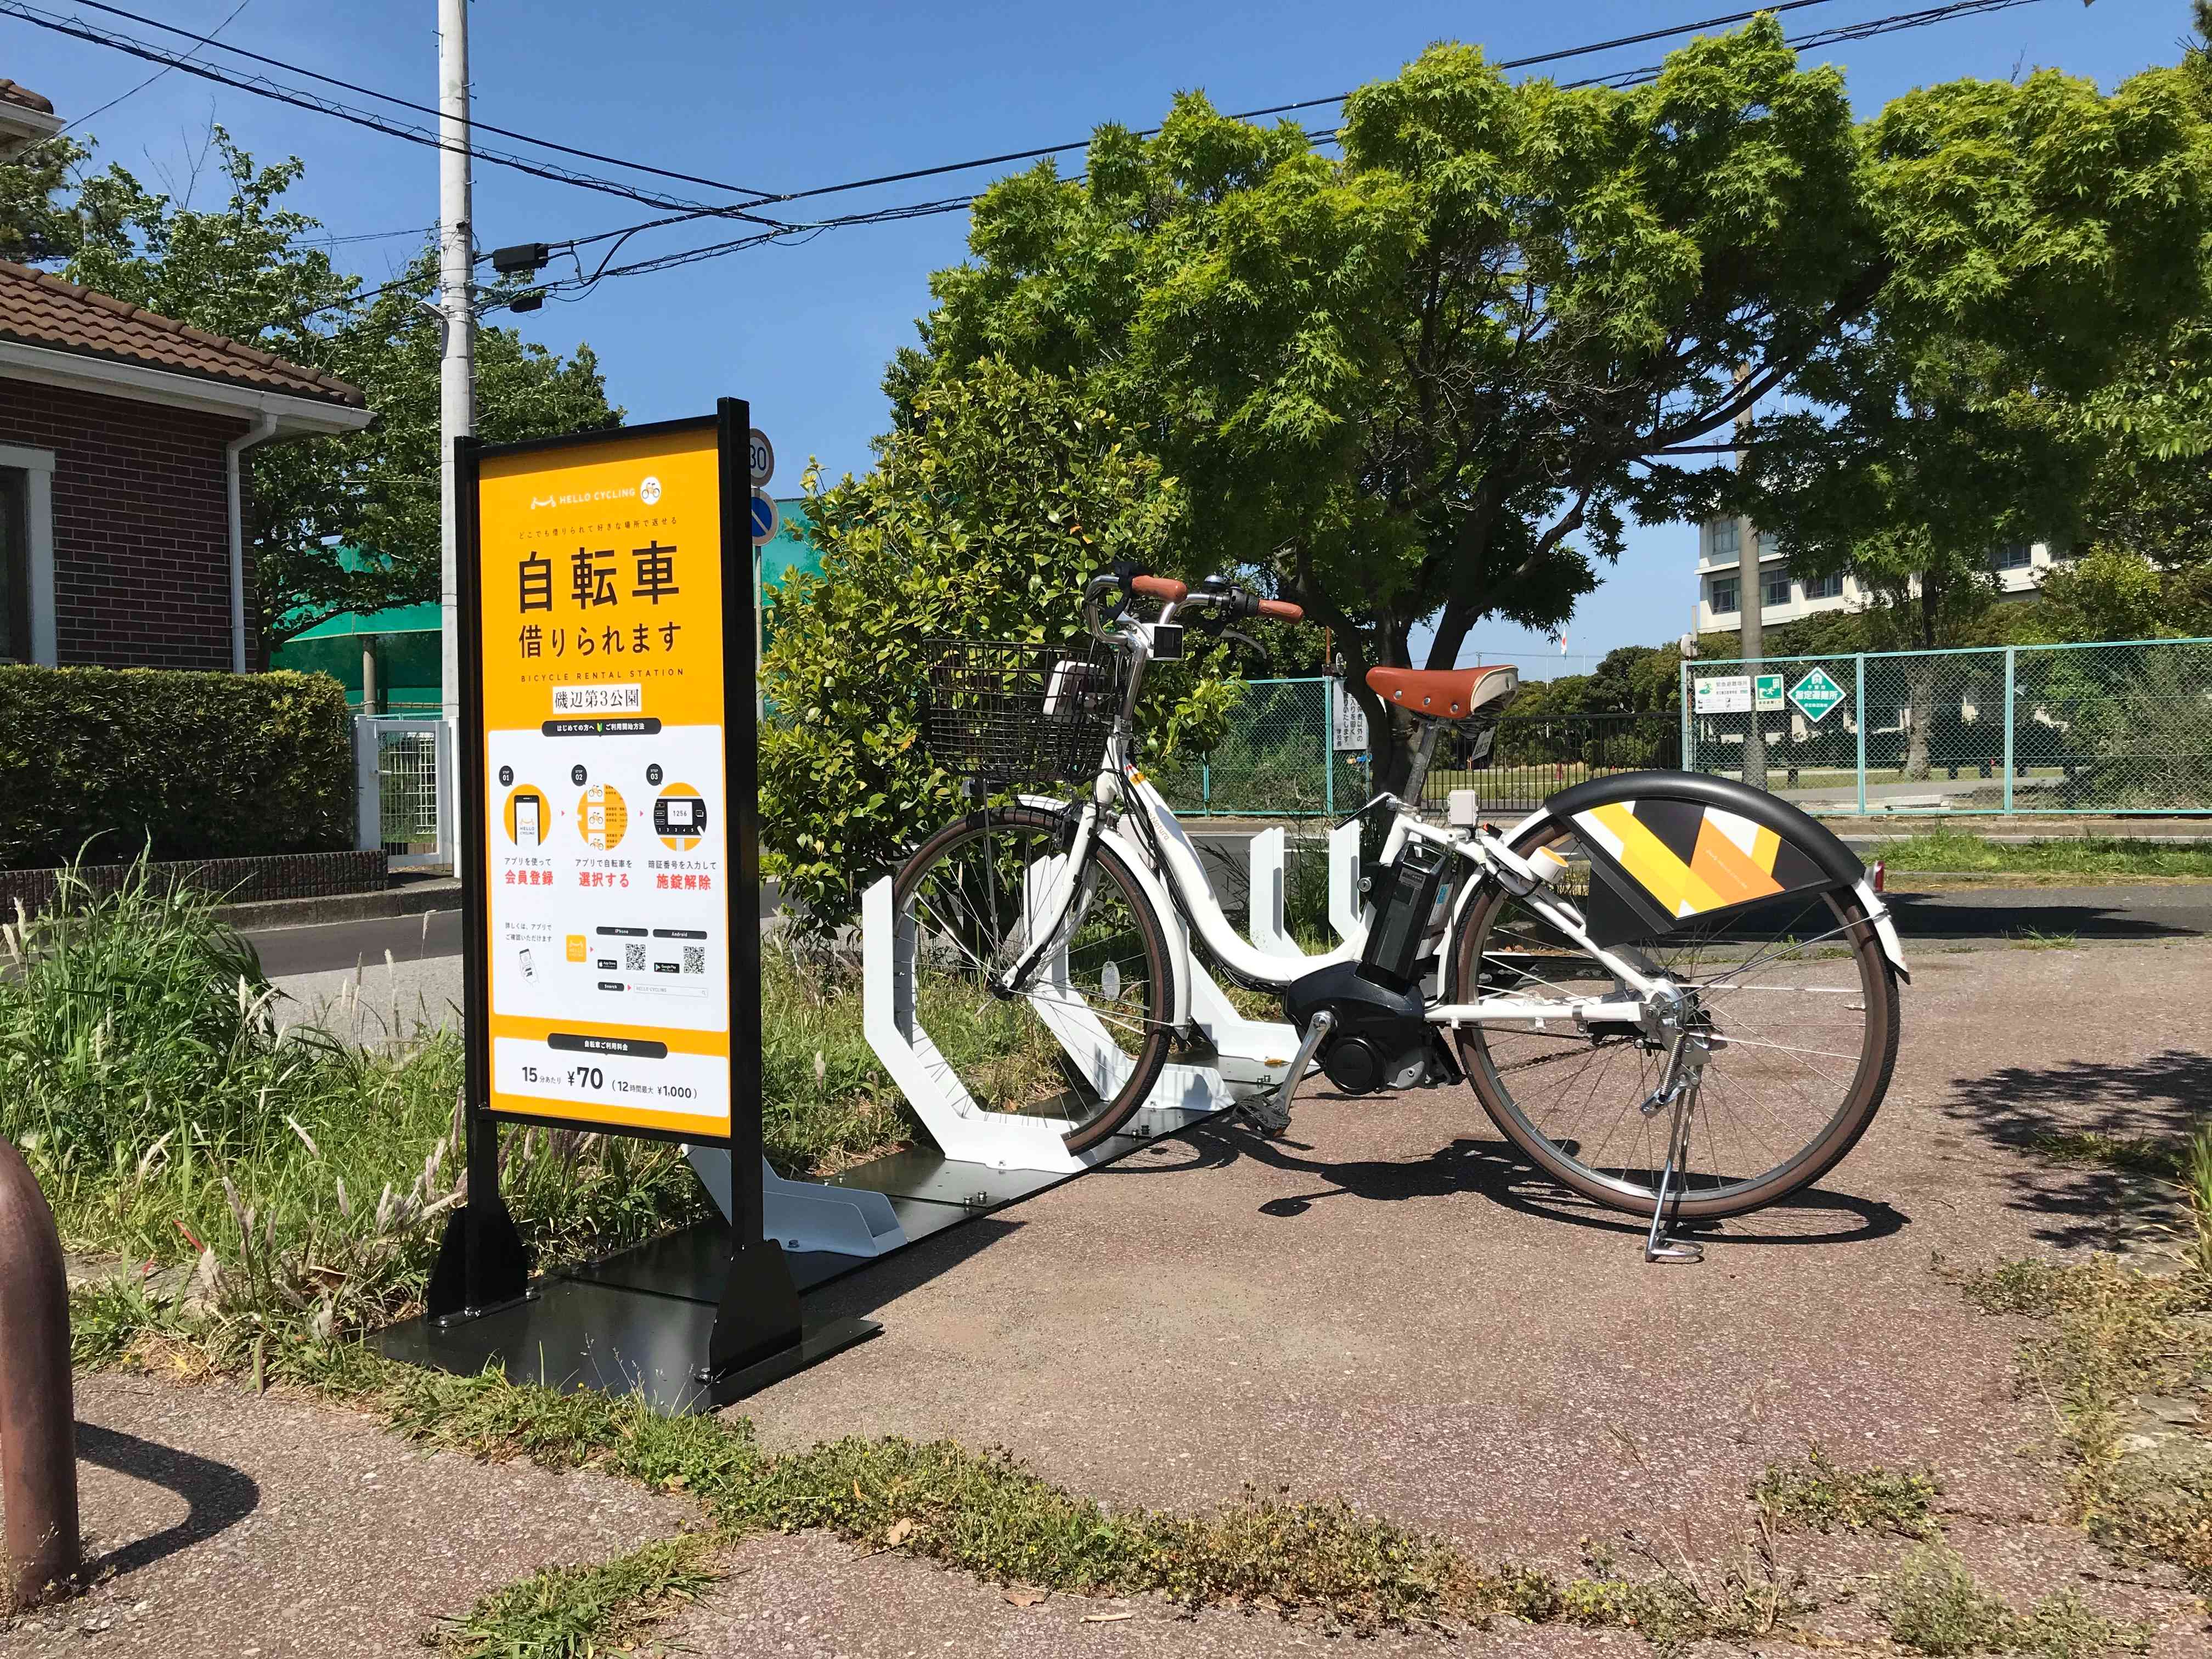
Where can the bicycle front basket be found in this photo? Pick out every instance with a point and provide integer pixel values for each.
(1014, 712)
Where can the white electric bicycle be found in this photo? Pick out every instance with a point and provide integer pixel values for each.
(1676, 995)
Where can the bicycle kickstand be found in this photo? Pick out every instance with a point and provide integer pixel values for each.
(1660, 1246)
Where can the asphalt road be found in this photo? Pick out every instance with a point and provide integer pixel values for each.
(2177, 910)
(1385, 1306)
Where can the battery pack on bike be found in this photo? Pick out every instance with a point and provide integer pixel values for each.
(1403, 920)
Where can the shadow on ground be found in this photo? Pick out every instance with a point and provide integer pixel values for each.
(1494, 1170)
(2015, 914)
(217, 1496)
(2020, 1109)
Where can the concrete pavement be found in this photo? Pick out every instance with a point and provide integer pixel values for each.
(222, 1524)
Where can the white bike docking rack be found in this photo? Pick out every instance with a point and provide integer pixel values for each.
(963, 1131)
(1346, 904)
(988, 1159)
(808, 1215)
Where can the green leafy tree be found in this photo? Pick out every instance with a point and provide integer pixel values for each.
(2040, 237)
(246, 270)
(37, 225)
(998, 495)
(1432, 378)
(377, 489)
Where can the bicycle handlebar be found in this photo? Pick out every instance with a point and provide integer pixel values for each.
(1215, 595)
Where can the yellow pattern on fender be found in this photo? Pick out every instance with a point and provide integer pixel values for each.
(1720, 873)
(1737, 876)
(1680, 890)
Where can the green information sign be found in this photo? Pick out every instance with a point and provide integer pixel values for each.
(1816, 694)
(1768, 689)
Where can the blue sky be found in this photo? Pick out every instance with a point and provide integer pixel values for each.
(787, 97)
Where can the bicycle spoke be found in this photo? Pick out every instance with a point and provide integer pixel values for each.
(1781, 992)
(1069, 1042)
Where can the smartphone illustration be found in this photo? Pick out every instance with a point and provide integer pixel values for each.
(525, 821)
(529, 962)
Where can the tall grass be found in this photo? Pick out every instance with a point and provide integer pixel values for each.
(173, 1115)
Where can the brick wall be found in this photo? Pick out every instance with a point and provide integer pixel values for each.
(142, 553)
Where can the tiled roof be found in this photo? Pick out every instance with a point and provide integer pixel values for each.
(23, 96)
(39, 310)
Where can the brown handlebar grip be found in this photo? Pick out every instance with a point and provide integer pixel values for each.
(1161, 587)
(1282, 610)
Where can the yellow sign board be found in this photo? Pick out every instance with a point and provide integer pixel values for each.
(597, 610)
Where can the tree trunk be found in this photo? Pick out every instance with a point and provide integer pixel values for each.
(1920, 683)
(1920, 710)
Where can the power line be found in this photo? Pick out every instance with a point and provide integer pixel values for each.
(261, 87)
(1840, 33)
(761, 197)
(1043, 151)
(775, 229)
(366, 236)
(1866, 29)
(208, 40)
(420, 109)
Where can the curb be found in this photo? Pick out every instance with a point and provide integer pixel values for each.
(411, 900)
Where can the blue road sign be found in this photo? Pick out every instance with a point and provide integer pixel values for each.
(766, 520)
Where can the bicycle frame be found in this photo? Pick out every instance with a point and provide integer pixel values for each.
(1164, 852)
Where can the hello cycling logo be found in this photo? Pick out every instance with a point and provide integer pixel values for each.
(646, 490)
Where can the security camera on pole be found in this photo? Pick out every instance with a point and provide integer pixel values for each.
(457, 412)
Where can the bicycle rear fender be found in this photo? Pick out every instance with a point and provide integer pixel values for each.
(1672, 845)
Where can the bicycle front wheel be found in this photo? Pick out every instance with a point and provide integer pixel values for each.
(1083, 1041)
(1795, 1002)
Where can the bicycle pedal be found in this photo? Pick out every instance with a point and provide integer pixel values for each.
(1259, 1114)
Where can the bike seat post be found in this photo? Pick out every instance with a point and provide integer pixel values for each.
(1424, 748)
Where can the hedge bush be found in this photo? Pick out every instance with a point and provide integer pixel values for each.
(987, 511)
(198, 765)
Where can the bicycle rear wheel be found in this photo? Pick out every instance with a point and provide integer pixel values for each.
(1795, 997)
(1084, 1042)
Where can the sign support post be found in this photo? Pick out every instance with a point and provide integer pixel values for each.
(758, 1318)
(610, 787)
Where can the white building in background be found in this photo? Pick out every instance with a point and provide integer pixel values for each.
(2019, 567)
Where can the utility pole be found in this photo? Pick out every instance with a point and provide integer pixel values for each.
(1751, 605)
(456, 411)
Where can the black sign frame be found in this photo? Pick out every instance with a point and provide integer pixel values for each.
(482, 1264)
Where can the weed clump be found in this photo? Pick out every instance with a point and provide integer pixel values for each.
(1815, 1495)
(179, 1119)
(583, 1610)
(1935, 1607)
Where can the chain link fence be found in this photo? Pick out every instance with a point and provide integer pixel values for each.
(1278, 759)
(1297, 748)
(2120, 728)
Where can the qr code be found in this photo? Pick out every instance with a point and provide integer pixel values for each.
(695, 958)
(634, 957)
